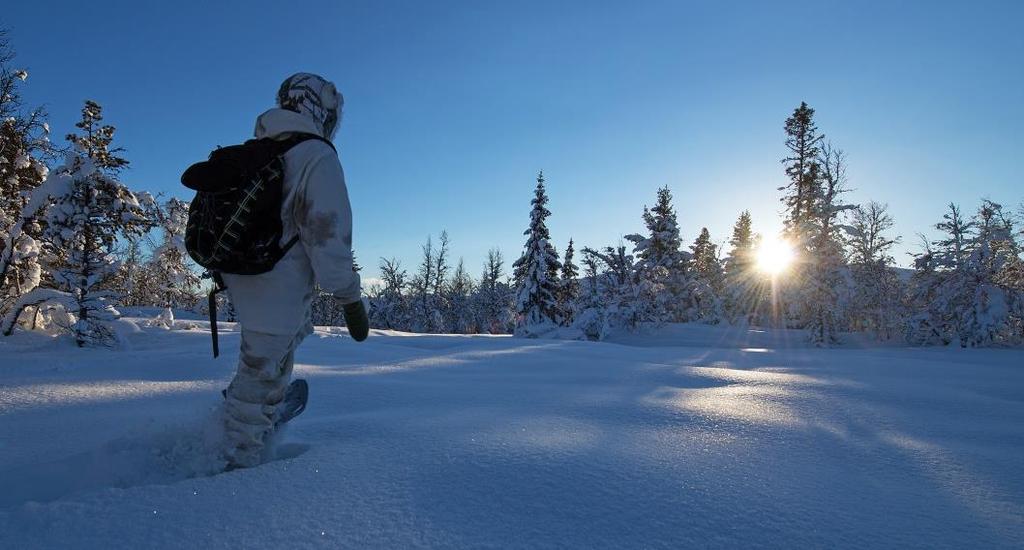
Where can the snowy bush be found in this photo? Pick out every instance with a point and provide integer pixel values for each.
(170, 273)
(967, 290)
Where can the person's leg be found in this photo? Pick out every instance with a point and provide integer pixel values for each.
(264, 369)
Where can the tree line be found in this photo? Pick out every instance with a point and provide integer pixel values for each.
(77, 244)
(967, 286)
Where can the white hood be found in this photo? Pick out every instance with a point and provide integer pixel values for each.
(276, 122)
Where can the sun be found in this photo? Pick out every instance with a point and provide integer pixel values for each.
(774, 255)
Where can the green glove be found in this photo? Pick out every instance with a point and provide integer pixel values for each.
(356, 320)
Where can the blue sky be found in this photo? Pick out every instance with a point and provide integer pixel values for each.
(453, 107)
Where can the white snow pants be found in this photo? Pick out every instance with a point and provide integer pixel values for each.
(250, 409)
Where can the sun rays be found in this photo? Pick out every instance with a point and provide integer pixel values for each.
(774, 256)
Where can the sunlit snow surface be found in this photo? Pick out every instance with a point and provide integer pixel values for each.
(687, 437)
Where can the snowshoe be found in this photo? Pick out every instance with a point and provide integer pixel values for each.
(294, 401)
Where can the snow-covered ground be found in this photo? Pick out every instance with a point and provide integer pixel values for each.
(691, 437)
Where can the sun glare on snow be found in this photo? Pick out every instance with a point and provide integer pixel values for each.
(774, 255)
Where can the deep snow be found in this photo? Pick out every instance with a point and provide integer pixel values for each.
(689, 437)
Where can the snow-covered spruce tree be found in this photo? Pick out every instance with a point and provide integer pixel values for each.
(820, 306)
(569, 286)
(663, 264)
(706, 276)
(536, 272)
(84, 224)
(937, 297)
(925, 323)
(591, 318)
(744, 292)
(803, 170)
(983, 304)
(628, 292)
(995, 263)
(24, 149)
(877, 304)
(971, 295)
(170, 269)
(390, 306)
(459, 313)
(495, 299)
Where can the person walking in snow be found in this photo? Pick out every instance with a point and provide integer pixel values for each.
(273, 308)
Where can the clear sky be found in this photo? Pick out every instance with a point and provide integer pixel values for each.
(452, 107)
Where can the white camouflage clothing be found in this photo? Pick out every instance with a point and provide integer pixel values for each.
(273, 308)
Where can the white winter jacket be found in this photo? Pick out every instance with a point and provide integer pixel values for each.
(316, 207)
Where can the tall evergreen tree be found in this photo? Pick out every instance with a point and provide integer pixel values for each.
(706, 271)
(743, 291)
(536, 271)
(569, 286)
(803, 172)
(704, 257)
(741, 245)
(592, 316)
(802, 168)
(663, 263)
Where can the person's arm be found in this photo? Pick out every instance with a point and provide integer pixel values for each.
(324, 219)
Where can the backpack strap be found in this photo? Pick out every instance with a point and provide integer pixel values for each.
(218, 287)
(288, 245)
(299, 137)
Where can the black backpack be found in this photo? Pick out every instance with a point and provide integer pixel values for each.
(234, 221)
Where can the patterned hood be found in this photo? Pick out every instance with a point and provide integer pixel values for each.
(307, 103)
